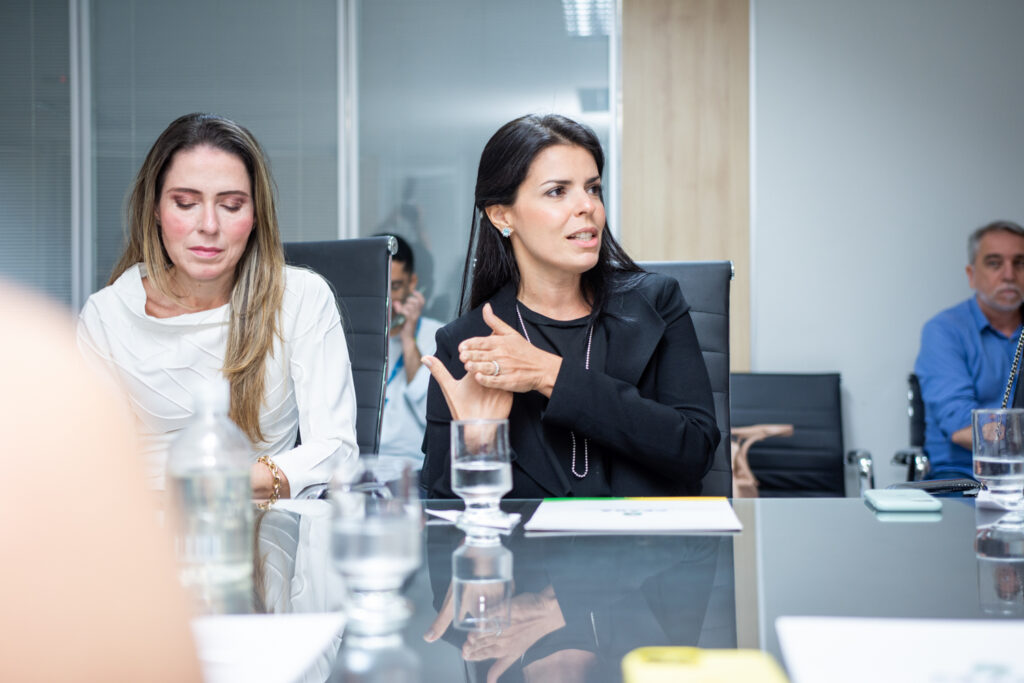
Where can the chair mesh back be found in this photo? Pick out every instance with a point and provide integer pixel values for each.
(359, 270)
(705, 285)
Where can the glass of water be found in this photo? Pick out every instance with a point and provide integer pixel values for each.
(376, 544)
(998, 439)
(481, 473)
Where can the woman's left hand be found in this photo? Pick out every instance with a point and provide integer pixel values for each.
(521, 366)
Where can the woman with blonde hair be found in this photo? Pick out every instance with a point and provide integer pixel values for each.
(201, 291)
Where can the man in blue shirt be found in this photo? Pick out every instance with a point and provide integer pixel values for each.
(967, 350)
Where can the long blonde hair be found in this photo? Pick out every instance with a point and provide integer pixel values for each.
(258, 288)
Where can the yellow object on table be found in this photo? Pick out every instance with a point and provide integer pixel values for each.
(671, 664)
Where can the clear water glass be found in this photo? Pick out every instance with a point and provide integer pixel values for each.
(482, 585)
(481, 472)
(998, 439)
(376, 541)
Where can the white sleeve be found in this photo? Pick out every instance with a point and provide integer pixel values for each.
(324, 392)
(94, 345)
(415, 393)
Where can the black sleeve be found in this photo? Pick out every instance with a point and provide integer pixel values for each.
(671, 427)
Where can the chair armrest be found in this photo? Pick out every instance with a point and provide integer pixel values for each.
(905, 456)
(865, 465)
(915, 460)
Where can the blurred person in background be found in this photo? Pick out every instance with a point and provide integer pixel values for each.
(967, 350)
(411, 337)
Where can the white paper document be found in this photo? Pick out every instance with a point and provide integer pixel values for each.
(839, 649)
(271, 649)
(634, 515)
(504, 524)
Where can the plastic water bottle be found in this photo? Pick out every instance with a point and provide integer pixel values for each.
(208, 482)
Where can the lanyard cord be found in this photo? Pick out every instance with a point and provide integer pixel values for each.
(401, 358)
(1014, 368)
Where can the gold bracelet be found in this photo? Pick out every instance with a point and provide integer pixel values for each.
(276, 473)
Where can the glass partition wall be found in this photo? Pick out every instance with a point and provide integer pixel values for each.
(270, 66)
(373, 114)
(435, 80)
(35, 125)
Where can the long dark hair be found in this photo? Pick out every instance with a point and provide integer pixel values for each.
(504, 165)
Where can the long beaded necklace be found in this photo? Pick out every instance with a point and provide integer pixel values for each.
(586, 366)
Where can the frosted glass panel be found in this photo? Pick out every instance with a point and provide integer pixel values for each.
(270, 66)
(35, 138)
(435, 80)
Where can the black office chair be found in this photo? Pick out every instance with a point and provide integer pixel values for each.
(359, 271)
(705, 285)
(811, 462)
(914, 458)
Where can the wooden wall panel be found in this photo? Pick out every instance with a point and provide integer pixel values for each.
(686, 139)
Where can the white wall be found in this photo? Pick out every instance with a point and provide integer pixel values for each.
(884, 131)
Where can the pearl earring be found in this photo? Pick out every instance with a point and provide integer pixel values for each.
(506, 231)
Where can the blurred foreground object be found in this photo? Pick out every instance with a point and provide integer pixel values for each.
(208, 478)
(376, 544)
(92, 593)
(665, 664)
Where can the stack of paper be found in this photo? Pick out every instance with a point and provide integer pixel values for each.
(838, 649)
(634, 515)
(272, 649)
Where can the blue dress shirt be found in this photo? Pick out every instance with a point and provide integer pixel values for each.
(963, 364)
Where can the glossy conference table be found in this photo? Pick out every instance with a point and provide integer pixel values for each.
(825, 557)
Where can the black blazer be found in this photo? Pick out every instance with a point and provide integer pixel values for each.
(650, 407)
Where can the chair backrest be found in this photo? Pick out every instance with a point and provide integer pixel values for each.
(705, 285)
(915, 410)
(808, 463)
(359, 271)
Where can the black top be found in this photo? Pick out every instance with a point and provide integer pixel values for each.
(568, 339)
(646, 403)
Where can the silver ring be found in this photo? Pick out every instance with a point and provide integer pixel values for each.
(497, 369)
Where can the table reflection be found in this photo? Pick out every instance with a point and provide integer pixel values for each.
(293, 571)
(481, 588)
(575, 604)
(367, 658)
(580, 603)
(999, 546)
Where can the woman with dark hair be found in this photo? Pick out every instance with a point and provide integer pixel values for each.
(202, 292)
(593, 361)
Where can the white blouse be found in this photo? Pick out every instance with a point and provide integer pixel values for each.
(161, 361)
